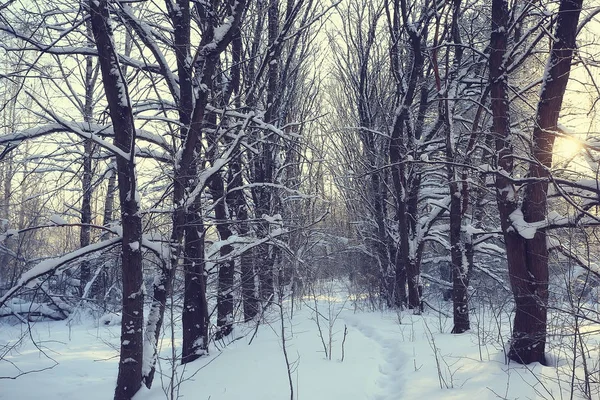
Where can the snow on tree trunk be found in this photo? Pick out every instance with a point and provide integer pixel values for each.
(188, 211)
(460, 281)
(86, 180)
(194, 317)
(238, 208)
(161, 288)
(530, 281)
(226, 267)
(528, 256)
(129, 378)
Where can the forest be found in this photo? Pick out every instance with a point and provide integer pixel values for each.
(299, 199)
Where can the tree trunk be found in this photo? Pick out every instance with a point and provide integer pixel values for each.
(460, 282)
(460, 276)
(129, 378)
(406, 183)
(86, 180)
(414, 285)
(161, 289)
(226, 267)
(86, 213)
(238, 208)
(528, 257)
(264, 168)
(400, 294)
(530, 281)
(195, 307)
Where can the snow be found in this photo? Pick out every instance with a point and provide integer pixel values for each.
(110, 319)
(275, 219)
(208, 172)
(223, 29)
(471, 230)
(79, 128)
(161, 246)
(58, 220)
(525, 229)
(17, 306)
(31, 276)
(389, 355)
(9, 233)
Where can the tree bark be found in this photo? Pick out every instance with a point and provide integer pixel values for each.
(406, 183)
(530, 280)
(460, 277)
(86, 179)
(238, 208)
(264, 167)
(226, 267)
(528, 257)
(195, 310)
(129, 378)
(194, 317)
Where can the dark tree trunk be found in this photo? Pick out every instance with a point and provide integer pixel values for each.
(406, 181)
(161, 288)
(109, 200)
(129, 378)
(86, 213)
(400, 294)
(414, 285)
(227, 209)
(195, 307)
(226, 267)
(238, 208)
(235, 197)
(86, 179)
(506, 197)
(264, 162)
(530, 281)
(195, 310)
(460, 282)
(528, 257)
(460, 276)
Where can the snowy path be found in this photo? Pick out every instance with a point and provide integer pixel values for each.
(393, 359)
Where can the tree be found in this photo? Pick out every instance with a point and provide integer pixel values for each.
(528, 254)
(362, 74)
(129, 379)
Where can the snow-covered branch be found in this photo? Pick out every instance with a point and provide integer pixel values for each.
(53, 265)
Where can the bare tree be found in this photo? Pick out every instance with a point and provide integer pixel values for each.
(528, 254)
(129, 379)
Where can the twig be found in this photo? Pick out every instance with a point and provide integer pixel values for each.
(344, 341)
(262, 312)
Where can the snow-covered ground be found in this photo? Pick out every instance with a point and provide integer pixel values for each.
(387, 356)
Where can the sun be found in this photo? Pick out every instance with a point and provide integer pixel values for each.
(567, 147)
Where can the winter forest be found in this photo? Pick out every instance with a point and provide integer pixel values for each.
(299, 199)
